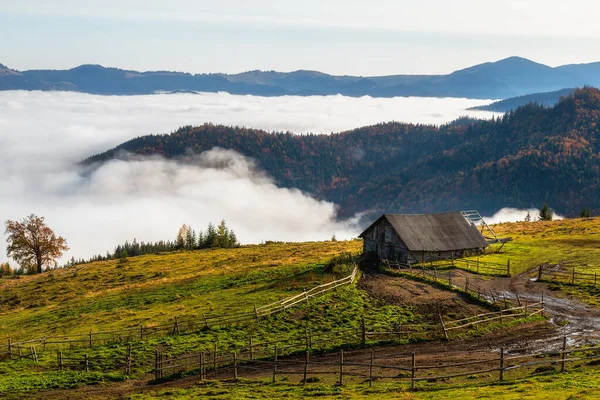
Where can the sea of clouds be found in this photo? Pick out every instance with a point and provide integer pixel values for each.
(43, 135)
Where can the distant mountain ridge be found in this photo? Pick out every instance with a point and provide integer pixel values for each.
(530, 156)
(548, 99)
(513, 76)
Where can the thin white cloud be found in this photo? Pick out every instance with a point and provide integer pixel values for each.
(44, 134)
(509, 214)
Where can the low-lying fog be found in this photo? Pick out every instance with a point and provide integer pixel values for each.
(44, 134)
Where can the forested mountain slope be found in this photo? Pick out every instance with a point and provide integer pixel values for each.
(530, 156)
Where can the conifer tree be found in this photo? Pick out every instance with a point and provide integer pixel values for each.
(546, 213)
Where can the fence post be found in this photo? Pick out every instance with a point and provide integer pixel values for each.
(9, 349)
(202, 368)
(305, 367)
(341, 367)
(141, 332)
(502, 363)
(251, 347)
(573, 276)
(255, 312)
(205, 321)
(540, 273)
(87, 362)
(501, 317)
(564, 354)
(275, 366)
(235, 367)
(215, 358)
(450, 279)
(452, 255)
(413, 372)
(44, 343)
(176, 326)
(371, 370)
(466, 283)
(443, 326)
(363, 331)
(542, 304)
(508, 268)
(91, 338)
(19, 350)
(156, 374)
(60, 360)
(128, 360)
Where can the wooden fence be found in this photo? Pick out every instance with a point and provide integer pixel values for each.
(94, 363)
(176, 326)
(547, 272)
(371, 366)
(449, 278)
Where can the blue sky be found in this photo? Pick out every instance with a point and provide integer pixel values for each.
(373, 37)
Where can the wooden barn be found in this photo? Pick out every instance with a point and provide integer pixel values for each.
(409, 238)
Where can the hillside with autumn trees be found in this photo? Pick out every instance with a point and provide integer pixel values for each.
(530, 156)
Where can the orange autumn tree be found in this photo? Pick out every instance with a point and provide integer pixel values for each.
(32, 243)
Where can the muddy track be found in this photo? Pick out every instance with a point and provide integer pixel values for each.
(569, 316)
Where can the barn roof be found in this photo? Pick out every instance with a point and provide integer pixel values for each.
(434, 232)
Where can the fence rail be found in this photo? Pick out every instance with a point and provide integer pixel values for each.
(178, 325)
(461, 283)
(412, 367)
(547, 272)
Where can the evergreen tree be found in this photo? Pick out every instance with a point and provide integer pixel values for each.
(190, 239)
(233, 242)
(586, 213)
(528, 217)
(222, 235)
(546, 213)
(211, 236)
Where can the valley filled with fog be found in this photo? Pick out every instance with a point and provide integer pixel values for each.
(43, 135)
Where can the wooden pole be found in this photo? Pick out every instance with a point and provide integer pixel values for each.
(508, 268)
(564, 354)
(176, 326)
(87, 363)
(341, 367)
(363, 331)
(501, 317)
(91, 339)
(540, 273)
(573, 276)
(128, 360)
(518, 299)
(141, 332)
(443, 327)
(9, 349)
(235, 366)
(205, 321)
(19, 350)
(452, 255)
(371, 370)
(255, 312)
(466, 283)
(60, 360)
(413, 372)
(275, 366)
(305, 367)
(502, 363)
(202, 367)
(251, 347)
(156, 375)
(44, 343)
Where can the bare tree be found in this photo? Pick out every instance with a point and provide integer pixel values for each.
(32, 243)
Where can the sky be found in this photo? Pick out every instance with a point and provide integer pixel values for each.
(375, 37)
(43, 135)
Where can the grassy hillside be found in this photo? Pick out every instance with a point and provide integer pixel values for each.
(152, 289)
(572, 241)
